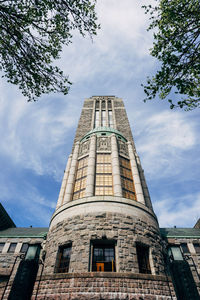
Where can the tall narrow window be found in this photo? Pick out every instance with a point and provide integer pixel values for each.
(96, 118)
(97, 104)
(103, 118)
(143, 258)
(63, 259)
(103, 183)
(80, 181)
(103, 256)
(128, 189)
(103, 105)
(109, 105)
(110, 118)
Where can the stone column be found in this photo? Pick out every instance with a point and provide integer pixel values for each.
(64, 182)
(117, 187)
(135, 173)
(72, 172)
(89, 192)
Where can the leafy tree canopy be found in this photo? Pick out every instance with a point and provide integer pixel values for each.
(177, 46)
(32, 33)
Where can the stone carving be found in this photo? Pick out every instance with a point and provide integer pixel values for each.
(84, 148)
(123, 148)
(103, 144)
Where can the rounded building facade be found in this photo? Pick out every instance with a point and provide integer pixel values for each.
(104, 240)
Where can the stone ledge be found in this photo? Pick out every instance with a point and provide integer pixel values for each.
(104, 199)
(107, 275)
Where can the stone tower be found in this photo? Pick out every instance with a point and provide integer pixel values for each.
(104, 240)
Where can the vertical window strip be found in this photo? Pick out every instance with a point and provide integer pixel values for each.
(109, 105)
(103, 118)
(128, 189)
(80, 180)
(103, 180)
(110, 118)
(103, 105)
(96, 118)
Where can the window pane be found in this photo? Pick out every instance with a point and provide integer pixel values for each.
(103, 118)
(143, 259)
(80, 181)
(110, 118)
(1, 246)
(103, 180)
(103, 105)
(103, 257)
(197, 247)
(185, 248)
(24, 248)
(63, 259)
(97, 104)
(109, 104)
(176, 252)
(128, 189)
(12, 247)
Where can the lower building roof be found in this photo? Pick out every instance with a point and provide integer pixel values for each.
(180, 232)
(37, 232)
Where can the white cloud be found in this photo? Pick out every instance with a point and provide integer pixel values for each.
(32, 132)
(121, 43)
(163, 140)
(178, 211)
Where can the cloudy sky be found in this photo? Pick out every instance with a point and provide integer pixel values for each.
(36, 138)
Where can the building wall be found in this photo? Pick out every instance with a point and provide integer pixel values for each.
(192, 256)
(98, 286)
(126, 229)
(7, 259)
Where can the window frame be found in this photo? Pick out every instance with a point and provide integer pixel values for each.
(10, 248)
(184, 248)
(103, 175)
(128, 187)
(143, 259)
(2, 245)
(80, 178)
(25, 249)
(59, 258)
(102, 265)
(196, 246)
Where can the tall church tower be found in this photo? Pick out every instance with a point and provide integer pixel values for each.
(104, 238)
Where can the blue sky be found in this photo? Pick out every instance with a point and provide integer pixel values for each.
(36, 138)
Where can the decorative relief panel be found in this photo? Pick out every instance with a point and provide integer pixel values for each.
(103, 144)
(84, 148)
(123, 148)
